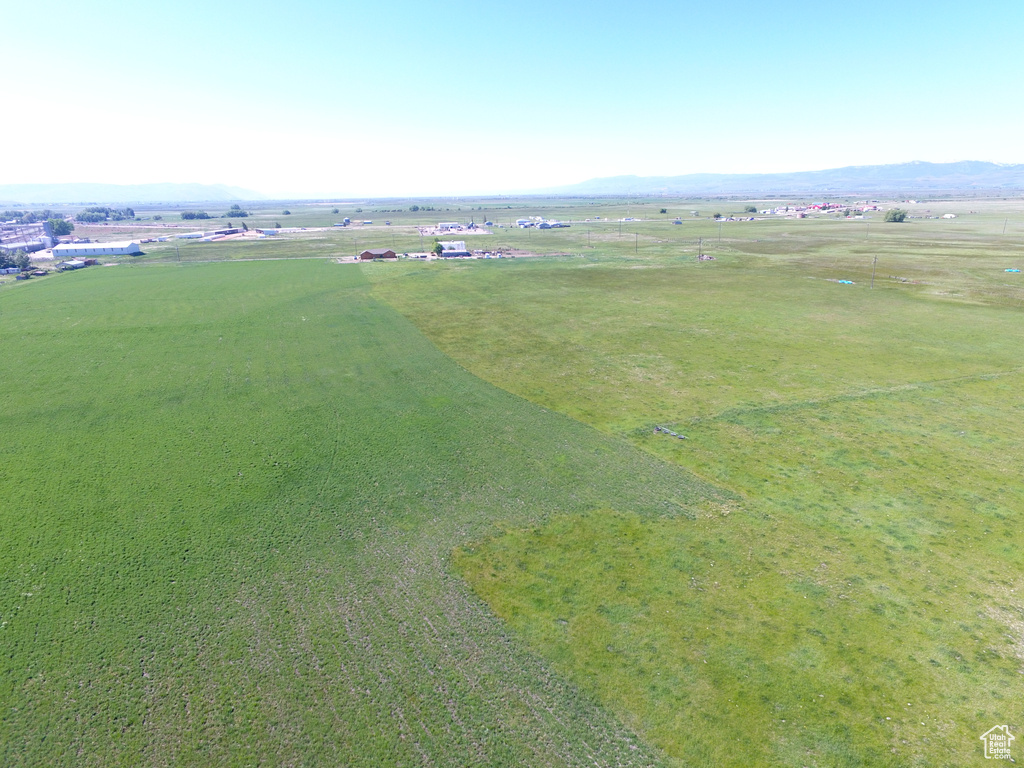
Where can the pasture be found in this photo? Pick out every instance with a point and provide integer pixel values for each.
(230, 495)
(859, 603)
(297, 512)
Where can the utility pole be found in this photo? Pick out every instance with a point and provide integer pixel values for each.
(719, 232)
(588, 238)
(636, 242)
(700, 247)
(620, 227)
(1004, 225)
(873, 262)
(176, 249)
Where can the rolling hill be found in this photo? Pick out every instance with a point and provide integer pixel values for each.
(915, 177)
(36, 194)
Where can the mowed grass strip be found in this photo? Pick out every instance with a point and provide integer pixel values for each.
(872, 560)
(230, 495)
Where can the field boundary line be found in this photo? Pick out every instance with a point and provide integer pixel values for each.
(851, 396)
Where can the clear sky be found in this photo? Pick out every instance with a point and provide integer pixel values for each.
(312, 98)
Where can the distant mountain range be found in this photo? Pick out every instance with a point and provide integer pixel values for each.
(916, 177)
(78, 194)
(900, 179)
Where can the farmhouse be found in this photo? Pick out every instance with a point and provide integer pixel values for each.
(448, 226)
(126, 248)
(378, 253)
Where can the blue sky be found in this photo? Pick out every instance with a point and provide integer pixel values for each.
(309, 98)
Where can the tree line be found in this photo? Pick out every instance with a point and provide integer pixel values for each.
(101, 213)
(31, 217)
(234, 212)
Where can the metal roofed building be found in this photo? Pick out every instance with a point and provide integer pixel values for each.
(126, 248)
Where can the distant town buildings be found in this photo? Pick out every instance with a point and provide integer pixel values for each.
(541, 223)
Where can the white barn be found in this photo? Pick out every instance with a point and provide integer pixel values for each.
(126, 248)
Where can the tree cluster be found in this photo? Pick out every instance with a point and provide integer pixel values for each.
(17, 259)
(31, 217)
(187, 215)
(102, 213)
(235, 212)
(896, 214)
(60, 227)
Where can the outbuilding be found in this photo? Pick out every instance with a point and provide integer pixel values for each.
(126, 248)
(378, 253)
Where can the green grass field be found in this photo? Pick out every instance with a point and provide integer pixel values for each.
(871, 567)
(230, 496)
(296, 512)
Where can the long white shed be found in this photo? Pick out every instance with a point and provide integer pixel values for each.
(125, 248)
